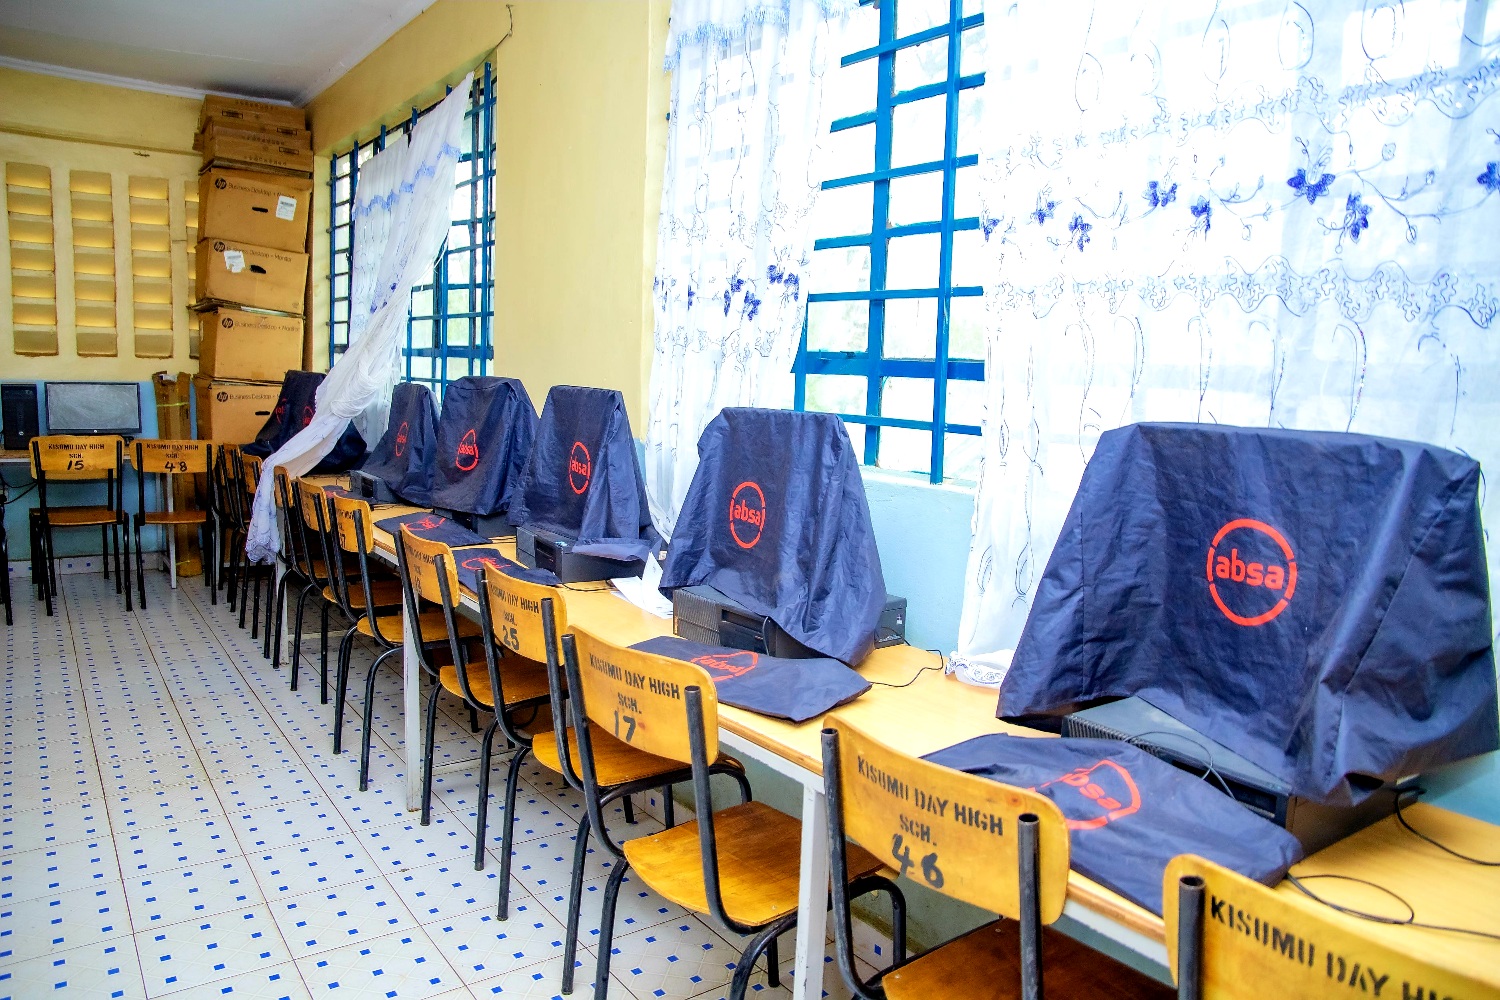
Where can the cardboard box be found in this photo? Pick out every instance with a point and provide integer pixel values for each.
(260, 347)
(243, 274)
(233, 412)
(245, 111)
(286, 135)
(268, 210)
(256, 151)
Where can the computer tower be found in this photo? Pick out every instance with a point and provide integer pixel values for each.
(20, 415)
(1149, 728)
(707, 615)
(538, 548)
(371, 488)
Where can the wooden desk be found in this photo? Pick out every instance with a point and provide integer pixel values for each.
(933, 712)
(1441, 889)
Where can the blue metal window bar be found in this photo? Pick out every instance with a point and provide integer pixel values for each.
(449, 325)
(872, 364)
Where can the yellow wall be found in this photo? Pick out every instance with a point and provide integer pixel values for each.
(67, 125)
(581, 136)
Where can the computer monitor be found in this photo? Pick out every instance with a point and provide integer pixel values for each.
(93, 408)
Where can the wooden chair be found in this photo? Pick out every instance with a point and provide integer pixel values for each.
(319, 551)
(429, 573)
(997, 847)
(229, 505)
(1231, 938)
(289, 563)
(346, 589)
(71, 458)
(355, 532)
(168, 458)
(669, 708)
(247, 480)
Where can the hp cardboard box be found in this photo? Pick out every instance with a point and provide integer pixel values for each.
(245, 111)
(286, 135)
(255, 151)
(236, 344)
(233, 412)
(243, 274)
(268, 210)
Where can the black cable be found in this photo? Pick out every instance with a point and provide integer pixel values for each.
(19, 495)
(1409, 921)
(942, 662)
(1401, 818)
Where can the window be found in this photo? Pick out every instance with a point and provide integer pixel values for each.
(893, 340)
(448, 326)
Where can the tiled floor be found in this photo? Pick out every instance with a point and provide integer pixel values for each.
(174, 823)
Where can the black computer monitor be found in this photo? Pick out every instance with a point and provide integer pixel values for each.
(93, 408)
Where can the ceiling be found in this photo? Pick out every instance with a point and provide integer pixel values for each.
(283, 50)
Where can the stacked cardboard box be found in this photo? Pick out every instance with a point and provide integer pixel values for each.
(254, 205)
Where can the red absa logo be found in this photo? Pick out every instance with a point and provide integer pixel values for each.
(580, 467)
(723, 666)
(1107, 789)
(747, 514)
(429, 522)
(468, 452)
(1254, 587)
(307, 415)
(401, 433)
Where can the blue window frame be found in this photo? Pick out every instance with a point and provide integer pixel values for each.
(448, 332)
(893, 338)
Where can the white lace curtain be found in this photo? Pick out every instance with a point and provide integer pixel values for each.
(1265, 214)
(733, 244)
(401, 217)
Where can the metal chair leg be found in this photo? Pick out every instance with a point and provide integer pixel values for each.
(341, 690)
(606, 933)
(482, 813)
(140, 564)
(366, 732)
(297, 635)
(323, 660)
(428, 740)
(507, 839)
(575, 902)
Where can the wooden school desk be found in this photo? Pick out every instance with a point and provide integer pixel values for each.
(936, 711)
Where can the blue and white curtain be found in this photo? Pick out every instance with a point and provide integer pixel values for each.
(401, 217)
(1260, 213)
(733, 246)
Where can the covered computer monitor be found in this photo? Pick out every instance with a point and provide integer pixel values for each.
(294, 410)
(401, 464)
(1315, 602)
(484, 437)
(93, 408)
(581, 511)
(776, 519)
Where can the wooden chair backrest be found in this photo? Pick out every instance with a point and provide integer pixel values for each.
(516, 613)
(163, 455)
(312, 496)
(954, 831)
(1258, 942)
(76, 456)
(253, 466)
(283, 487)
(638, 697)
(427, 560)
(345, 528)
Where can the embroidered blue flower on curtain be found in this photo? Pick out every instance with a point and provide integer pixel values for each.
(734, 242)
(1272, 214)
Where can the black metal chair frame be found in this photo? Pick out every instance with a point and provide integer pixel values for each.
(762, 938)
(42, 528)
(308, 551)
(261, 572)
(1190, 893)
(291, 574)
(205, 527)
(1030, 922)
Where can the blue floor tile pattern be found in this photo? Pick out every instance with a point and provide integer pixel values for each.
(174, 823)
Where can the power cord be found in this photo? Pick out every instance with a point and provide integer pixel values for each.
(942, 662)
(1419, 791)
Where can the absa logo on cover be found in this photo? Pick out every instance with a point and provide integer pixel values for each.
(1252, 571)
(580, 467)
(747, 514)
(401, 433)
(723, 666)
(468, 452)
(1108, 792)
(307, 415)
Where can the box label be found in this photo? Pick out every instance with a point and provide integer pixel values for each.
(286, 208)
(234, 261)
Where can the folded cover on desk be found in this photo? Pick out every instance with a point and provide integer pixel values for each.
(484, 437)
(339, 491)
(471, 562)
(797, 690)
(405, 456)
(294, 410)
(1316, 602)
(433, 528)
(1128, 812)
(776, 518)
(584, 480)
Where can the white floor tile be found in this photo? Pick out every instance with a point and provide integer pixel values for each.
(37, 927)
(196, 952)
(336, 918)
(180, 894)
(403, 965)
(163, 848)
(478, 946)
(57, 869)
(104, 969)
